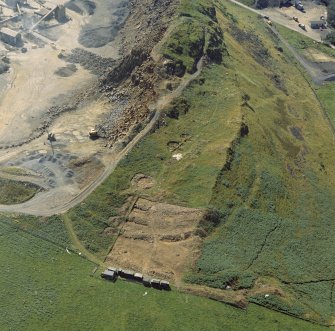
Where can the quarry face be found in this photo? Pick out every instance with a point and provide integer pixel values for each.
(76, 87)
(48, 87)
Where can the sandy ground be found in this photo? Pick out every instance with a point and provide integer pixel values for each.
(159, 239)
(32, 90)
(62, 168)
(28, 91)
(32, 85)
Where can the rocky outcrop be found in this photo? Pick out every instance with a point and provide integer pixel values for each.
(198, 34)
(130, 82)
(124, 69)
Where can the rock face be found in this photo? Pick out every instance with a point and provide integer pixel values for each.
(126, 66)
(129, 82)
(215, 49)
(4, 66)
(90, 61)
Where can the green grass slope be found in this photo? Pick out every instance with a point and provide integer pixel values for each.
(45, 288)
(200, 125)
(256, 146)
(277, 193)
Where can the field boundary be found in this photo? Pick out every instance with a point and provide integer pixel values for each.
(57, 244)
(77, 242)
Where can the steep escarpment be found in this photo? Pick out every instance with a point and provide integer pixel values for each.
(135, 82)
(274, 193)
(130, 83)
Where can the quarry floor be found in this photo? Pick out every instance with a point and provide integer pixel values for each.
(35, 97)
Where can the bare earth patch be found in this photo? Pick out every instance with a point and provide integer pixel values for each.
(159, 239)
(86, 169)
(142, 181)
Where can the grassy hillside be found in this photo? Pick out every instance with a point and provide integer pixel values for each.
(255, 146)
(197, 135)
(193, 128)
(277, 193)
(43, 287)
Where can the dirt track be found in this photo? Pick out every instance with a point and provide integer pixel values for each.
(52, 202)
(281, 17)
(317, 74)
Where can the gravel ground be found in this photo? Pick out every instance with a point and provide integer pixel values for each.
(104, 25)
(90, 61)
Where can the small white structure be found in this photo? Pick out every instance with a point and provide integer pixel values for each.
(178, 156)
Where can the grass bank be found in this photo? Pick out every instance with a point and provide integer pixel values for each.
(44, 287)
(13, 192)
(276, 191)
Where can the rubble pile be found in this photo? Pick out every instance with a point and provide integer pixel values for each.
(90, 61)
(130, 83)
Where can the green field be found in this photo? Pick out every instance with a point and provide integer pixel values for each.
(45, 288)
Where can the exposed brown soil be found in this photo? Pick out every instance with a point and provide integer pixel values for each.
(142, 181)
(86, 170)
(237, 298)
(158, 239)
(234, 298)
